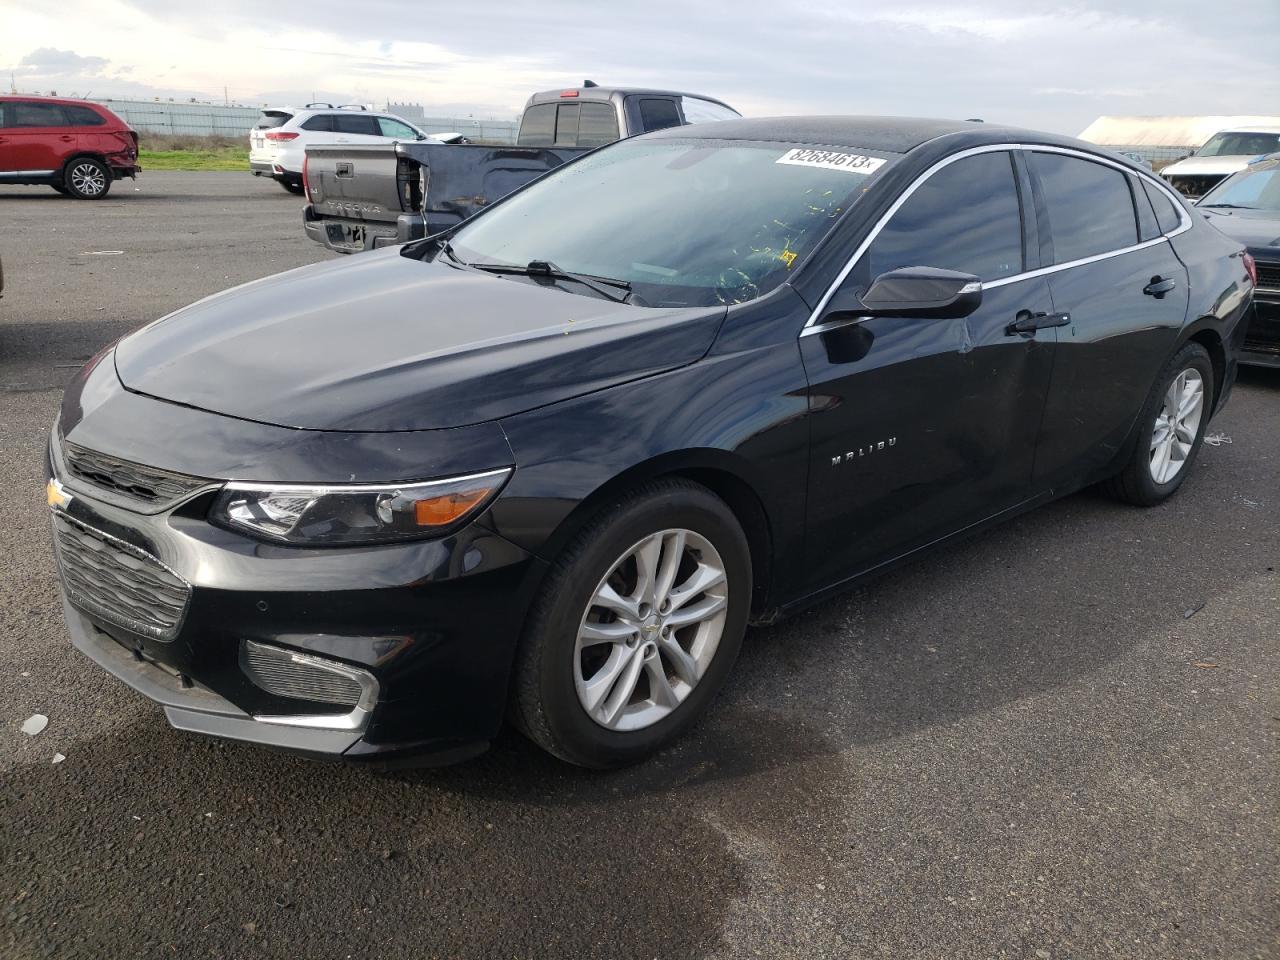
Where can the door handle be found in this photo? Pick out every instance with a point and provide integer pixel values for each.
(65, 138)
(1159, 286)
(1025, 321)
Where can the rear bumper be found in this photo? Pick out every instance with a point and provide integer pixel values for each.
(1261, 346)
(262, 168)
(352, 236)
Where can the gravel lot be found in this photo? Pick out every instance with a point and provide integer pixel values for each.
(1021, 746)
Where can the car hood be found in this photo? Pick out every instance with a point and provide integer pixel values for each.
(382, 342)
(1208, 166)
(1259, 230)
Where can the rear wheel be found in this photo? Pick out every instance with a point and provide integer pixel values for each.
(1172, 428)
(637, 627)
(87, 179)
(291, 186)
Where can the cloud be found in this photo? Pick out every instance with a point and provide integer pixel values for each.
(49, 60)
(1052, 64)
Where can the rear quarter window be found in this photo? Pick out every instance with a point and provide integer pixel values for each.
(1089, 205)
(83, 116)
(658, 113)
(272, 118)
(1166, 213)
(321, 121)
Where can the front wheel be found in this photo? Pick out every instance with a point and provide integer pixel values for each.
(1171, 430)
(638, 624)
(87, 179)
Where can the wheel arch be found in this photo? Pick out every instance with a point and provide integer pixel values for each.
(1204, 332)
(85, 155)
(724, 474)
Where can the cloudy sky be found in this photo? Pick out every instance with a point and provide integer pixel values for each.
(1053, 64)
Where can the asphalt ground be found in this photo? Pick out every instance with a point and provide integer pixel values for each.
(1055, 741)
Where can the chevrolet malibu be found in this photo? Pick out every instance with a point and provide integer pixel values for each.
(549, 465)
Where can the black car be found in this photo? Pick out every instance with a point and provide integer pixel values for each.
(549, 465)
(1246, 207)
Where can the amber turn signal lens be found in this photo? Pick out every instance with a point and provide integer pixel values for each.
(442, 510)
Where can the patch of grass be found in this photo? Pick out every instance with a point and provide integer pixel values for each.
(178, 152)
(222, 158)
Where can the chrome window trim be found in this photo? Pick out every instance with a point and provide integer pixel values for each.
(813, 325)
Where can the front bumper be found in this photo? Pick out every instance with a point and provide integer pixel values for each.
(1262, 337)
(353, 236)
(433, 623)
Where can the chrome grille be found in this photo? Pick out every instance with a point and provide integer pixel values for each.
(1269, 276)
(150, 485)
(119, 583)
(299, 676)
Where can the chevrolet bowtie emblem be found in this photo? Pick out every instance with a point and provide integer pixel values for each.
(56, 495)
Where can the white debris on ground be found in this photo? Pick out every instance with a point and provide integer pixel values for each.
(34, 724)
(1216, 439)
(58, 758)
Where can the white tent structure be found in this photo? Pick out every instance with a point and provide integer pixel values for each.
(1165, 138)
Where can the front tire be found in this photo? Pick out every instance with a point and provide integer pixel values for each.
(1171, 430)
(87, 179)
(637, 626)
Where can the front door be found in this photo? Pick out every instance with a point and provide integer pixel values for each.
(920, 427)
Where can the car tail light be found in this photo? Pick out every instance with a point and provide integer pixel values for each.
(1251, 268)
(306, 182)
(279, 136)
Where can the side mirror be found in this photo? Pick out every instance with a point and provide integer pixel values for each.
(927, 292)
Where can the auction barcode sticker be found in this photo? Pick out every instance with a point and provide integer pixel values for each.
(829, 160)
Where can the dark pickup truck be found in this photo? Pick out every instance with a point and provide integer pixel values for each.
(365, 196)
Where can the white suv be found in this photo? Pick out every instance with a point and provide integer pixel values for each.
(278, 142)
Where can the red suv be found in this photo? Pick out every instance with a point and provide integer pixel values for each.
(75, 146)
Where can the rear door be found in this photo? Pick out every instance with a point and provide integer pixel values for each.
(37, 137)
(1126, 293)
(920, 427)
(355, 128)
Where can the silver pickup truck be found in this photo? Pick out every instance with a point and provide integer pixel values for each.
(365, 196)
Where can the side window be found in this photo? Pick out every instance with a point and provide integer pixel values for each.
(1166, 214)
(1148, 227)
(397, 128)
(597, 125)
(965, 217)
(1089, 205)
(658, 114)
(27, 114)
(538, 126)
(321, 122)
(697, 110)
(567, 125)
(355, 123)
(83, 116)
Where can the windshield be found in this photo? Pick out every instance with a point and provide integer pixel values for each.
(1240, 145)
(1257, 188)
(684, 222)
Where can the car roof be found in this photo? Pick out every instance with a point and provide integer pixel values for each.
(1258, 129)
(607, 93)
(43, 99)
(885, 134)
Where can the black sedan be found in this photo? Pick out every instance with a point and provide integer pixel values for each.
(550, 465)
(1246, 207)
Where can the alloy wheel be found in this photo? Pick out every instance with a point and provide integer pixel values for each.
(1177, 424)
(650, 630)
(87, 179)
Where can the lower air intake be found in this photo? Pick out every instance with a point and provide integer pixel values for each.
(299, 676)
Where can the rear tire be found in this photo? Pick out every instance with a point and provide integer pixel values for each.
(1171, 430)
(87, 179)
(607, 684)
(294, 188)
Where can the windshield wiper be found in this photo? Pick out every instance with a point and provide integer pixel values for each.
(447, 249)
(616, 290)
(1232, 206)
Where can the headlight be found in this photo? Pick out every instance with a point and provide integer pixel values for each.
(358, 513)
